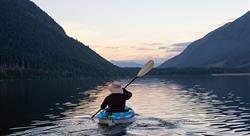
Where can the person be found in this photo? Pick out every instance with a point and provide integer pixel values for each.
(116, 101)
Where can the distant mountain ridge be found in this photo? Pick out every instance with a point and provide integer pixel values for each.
(225, 47)
(32, 42)
(126, 64)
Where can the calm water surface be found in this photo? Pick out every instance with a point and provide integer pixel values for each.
(179, 105)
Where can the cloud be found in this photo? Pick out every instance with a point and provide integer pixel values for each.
(175, 48)
(145, 49)
(105, 47)
(153, 44)
(184, 44)
(112, 47)
(163, 48)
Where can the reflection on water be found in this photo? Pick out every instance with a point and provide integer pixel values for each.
(185, 105)
(25, 102)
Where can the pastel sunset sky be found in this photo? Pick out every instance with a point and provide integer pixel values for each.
(138, 30)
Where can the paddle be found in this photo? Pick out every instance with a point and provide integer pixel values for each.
(144, 70)
(95, 113)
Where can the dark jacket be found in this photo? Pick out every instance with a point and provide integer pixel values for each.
(116, 102)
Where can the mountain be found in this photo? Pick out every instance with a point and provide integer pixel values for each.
(225, 47)
(126, 64)
(32, 42)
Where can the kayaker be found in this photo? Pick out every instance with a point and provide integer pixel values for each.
(116, 101)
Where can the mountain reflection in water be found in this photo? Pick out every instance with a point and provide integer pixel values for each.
(176, 105)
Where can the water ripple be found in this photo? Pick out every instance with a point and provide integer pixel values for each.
(163, 107)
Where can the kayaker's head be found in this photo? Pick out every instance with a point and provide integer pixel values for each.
(115, 87)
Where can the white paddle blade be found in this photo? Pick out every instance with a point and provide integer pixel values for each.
(146, 68)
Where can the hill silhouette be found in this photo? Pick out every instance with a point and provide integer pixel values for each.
(225, 47)
(32, 43)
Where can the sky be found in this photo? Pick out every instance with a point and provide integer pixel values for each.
(138, 30)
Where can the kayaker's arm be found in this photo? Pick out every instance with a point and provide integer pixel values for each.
(127, 94)
(104, 103)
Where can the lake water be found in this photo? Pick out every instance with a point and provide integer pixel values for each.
(175, 105)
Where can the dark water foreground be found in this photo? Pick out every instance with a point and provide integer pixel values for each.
(184, 105)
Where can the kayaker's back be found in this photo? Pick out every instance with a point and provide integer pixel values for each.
(116, 102)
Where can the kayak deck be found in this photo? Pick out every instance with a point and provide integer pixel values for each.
(107, 118)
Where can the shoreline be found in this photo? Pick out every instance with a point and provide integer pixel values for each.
(231, 74)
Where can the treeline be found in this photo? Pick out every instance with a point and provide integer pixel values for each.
(15, 73)
(189, 71)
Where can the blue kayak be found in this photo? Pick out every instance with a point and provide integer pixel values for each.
(107, 118)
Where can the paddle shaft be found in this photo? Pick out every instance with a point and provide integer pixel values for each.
(130, 82)
(96, 113)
